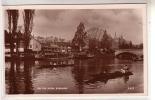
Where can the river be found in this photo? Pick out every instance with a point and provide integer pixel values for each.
(29, 77)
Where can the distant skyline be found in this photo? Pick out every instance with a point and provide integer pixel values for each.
(63, 23)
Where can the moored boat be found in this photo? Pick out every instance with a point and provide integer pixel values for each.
(56, 63)
(104, 77)
(52, 57)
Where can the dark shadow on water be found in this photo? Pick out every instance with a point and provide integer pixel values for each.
(78, 73)
(19, 78)
(12, 79)
(104, 77)
(28, 77)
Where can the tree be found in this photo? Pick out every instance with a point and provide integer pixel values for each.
(56, 40)
(28, 24)
(12, 22)
(93, 44)
(80, 38)
(130, 45)
(141, 46)
(7, 36)
(124, 44)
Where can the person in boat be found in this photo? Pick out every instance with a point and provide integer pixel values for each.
(125, 69)
(54, 69)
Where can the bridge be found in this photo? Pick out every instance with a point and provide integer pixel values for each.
(128, 53)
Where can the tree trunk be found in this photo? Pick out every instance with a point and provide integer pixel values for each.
(11, 47)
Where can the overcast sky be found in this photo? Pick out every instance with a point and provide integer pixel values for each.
(63, 23)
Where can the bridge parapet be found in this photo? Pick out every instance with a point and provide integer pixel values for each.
(132, 51)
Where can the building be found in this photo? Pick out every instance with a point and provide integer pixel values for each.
(34, 45)
(64, 47)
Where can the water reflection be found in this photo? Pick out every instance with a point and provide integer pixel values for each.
(12, 79)
(104, 77)
(19, 77)
(28, 77)
(86, 76)
(79, 72)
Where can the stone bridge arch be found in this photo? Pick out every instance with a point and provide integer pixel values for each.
(126, 55)
(129, 53)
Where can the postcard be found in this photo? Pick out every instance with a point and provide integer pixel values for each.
(75, 49)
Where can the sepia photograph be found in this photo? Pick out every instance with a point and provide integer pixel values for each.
(75, 49)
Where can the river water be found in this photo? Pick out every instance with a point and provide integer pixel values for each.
(29, 77)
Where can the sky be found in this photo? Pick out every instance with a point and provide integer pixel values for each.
(63, 23)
